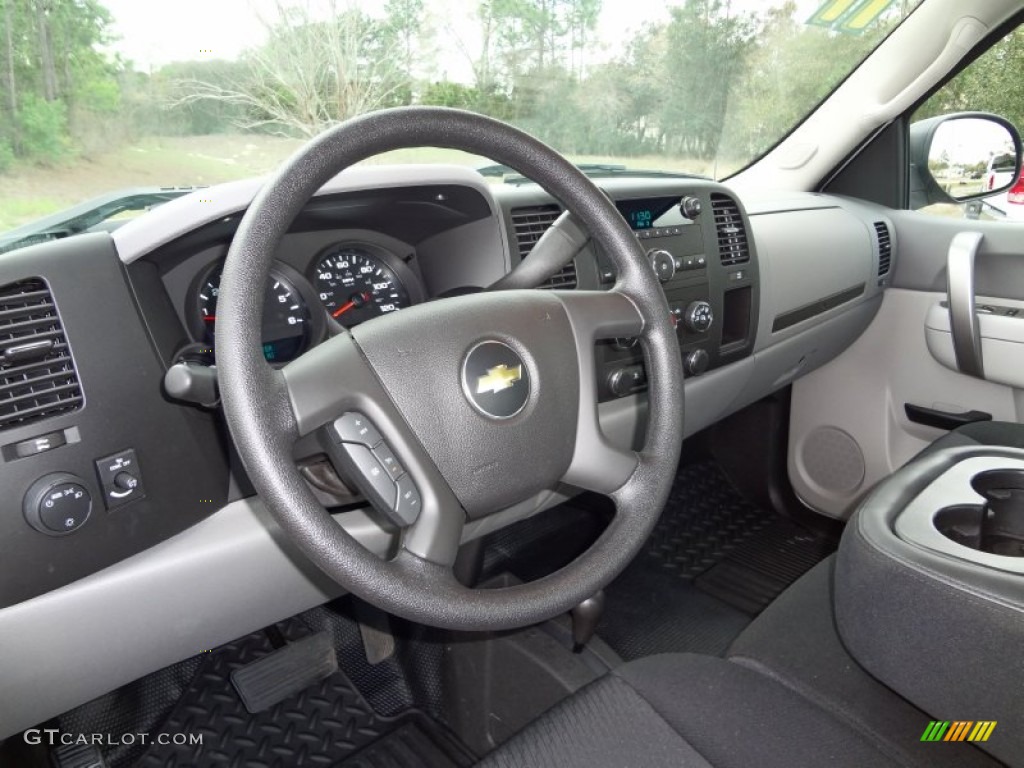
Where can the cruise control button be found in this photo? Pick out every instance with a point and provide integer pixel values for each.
(407, 503)
(354, 427)
(388, 461)
(377, 478)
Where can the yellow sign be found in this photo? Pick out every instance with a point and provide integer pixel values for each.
(831, 12)
(852, 16)
(498, 378)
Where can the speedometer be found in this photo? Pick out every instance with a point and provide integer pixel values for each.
(286, 322)
(356, 284)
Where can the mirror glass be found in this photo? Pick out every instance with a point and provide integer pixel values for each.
(970, 156)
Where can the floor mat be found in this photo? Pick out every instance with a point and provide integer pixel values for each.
(328, 724)
(757, 571)
(711, 564)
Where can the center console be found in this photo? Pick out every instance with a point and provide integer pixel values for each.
(929, 588)
(699, 247)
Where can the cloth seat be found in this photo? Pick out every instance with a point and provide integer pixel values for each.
(686, 711)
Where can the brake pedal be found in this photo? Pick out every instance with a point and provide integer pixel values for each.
(265, 682)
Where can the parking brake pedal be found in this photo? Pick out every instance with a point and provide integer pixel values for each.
(585, 618)
(288, 670)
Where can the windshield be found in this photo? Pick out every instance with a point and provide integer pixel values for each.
(101, 95)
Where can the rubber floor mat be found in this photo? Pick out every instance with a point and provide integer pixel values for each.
(327, 724)
(757, 571)
(712, 562)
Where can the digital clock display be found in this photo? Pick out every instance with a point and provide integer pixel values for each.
(642, 218)
(651, 212)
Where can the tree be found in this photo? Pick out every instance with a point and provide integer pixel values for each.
(405, 21)
(705, 51)
(311, 73)
(54, 80)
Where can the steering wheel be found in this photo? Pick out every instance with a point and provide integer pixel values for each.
(480, 401)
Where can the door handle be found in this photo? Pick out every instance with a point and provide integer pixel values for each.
(933, 417)
(963, 317)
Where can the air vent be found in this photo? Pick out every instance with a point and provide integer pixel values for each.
(884, 248)
(732, 235)
(530, 224)
(37, 375)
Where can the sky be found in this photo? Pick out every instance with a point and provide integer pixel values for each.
(155, 32)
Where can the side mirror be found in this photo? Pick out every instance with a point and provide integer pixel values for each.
(961, 157)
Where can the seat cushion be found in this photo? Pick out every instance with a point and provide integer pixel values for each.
(795, 641)
(684, 710)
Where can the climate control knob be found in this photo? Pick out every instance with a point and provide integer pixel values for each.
(696, 362)
(663, 263)
(698, 316)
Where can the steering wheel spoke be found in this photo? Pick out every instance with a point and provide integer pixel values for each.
(597, 465)
(334, 392)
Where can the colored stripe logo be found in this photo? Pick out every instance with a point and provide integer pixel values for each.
(852, 16)
(958, 730)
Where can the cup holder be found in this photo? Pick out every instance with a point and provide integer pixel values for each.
(997, 526)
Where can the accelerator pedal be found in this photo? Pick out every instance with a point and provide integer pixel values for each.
(288, 670)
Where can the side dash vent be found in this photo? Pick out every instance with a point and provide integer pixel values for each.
(37, 374)
(884, 248)
(732, 234)
(529, 225)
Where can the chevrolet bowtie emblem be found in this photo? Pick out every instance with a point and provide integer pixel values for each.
(498, 378)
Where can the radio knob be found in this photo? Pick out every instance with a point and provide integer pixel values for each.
(699, 316)
(663, 263)
(690, 207)
(696, 362)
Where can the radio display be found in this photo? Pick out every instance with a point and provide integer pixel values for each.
(651, 212)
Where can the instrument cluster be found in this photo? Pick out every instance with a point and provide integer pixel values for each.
(345, 284)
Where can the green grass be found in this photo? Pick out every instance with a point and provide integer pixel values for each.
(27, 193)
(17, 211)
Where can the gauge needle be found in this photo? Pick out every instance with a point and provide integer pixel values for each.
(357, 301)
(209, 318)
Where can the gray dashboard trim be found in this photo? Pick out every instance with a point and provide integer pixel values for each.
(218, 580)
(178, 217)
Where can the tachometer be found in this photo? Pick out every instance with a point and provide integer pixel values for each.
(356, 284)
(286, 321)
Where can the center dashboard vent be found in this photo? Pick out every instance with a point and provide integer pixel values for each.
(37, 374)
(884, 247)
(732, 234)
(529, 224)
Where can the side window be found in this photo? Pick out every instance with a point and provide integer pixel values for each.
(972, 164)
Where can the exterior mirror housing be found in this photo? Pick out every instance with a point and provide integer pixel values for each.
(960, 157)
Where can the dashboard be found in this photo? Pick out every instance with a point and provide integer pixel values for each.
(126, 500)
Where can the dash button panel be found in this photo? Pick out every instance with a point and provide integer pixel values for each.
(120, 478)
